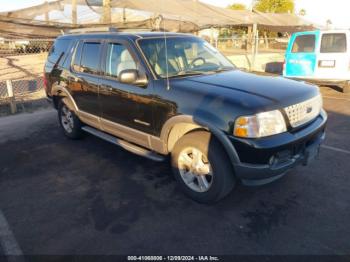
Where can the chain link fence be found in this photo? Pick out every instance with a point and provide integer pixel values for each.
(14, 47)
(21, 88)
(21, 69)
(262, 54)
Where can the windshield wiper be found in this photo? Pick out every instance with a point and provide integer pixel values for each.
(223, 69)
(187, 73)
(197, 72)
(190, 72)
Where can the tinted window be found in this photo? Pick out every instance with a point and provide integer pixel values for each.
(90, 58)
(304, 44)
(333, 43)
(58, 51)
(77, 56)
(118, 59)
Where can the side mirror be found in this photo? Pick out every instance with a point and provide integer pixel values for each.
(132, 77)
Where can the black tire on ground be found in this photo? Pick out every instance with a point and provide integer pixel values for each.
(74, 132)
(223, 175)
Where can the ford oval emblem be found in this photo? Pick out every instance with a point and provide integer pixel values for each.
(309, 109)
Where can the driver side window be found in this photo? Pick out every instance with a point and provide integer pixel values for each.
(118, 59)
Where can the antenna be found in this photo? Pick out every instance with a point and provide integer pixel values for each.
(166, 50)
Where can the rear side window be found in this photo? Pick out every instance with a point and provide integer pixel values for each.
(58, 51)
(90, 57)
(304, 44)
(333, 43)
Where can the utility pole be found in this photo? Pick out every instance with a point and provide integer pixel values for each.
(74, 12)
(107, 12)
(124, 15)
(255, 43)
(47, 18)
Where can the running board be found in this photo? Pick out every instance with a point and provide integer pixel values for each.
(122, 143)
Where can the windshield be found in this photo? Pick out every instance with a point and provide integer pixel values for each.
(184, 55)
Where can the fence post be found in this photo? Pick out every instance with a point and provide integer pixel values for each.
(11, 96)
(255, 42)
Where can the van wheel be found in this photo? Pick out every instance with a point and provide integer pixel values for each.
(202, 168)
(69, 122)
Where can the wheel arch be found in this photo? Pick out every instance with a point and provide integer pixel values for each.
(178, 126)
(61, 93)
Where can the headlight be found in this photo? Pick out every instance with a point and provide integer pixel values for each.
(260, 125)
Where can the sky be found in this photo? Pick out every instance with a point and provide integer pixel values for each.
(317, 11)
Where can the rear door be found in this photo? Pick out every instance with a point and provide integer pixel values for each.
(300, 60)
(333, 58)
(84, 84)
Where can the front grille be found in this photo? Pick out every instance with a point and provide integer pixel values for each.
(304, 112)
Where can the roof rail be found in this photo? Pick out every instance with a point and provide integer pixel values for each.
(92, 30)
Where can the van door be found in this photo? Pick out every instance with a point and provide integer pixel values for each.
(333, 58)
(300, 60)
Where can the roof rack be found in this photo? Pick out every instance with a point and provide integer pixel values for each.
(92, 30)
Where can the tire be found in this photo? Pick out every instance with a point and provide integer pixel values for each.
(69, 122)
(211, 157)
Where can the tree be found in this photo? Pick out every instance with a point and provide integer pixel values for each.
(275, 6)
(237, 6)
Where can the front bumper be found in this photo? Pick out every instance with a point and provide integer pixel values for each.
(273, 156)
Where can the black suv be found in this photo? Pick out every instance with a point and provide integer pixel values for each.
(158, 94)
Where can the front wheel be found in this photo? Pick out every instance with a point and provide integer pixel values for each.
(202, 168)
(69, 122)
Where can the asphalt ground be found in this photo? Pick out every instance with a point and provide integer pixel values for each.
(63, 197)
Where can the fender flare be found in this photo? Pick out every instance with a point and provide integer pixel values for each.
(218, 134)
(61, 91)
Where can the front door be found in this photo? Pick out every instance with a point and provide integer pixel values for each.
(127, 110)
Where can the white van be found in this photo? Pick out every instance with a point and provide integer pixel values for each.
(322, 57)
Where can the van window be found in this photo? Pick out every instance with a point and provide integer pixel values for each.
(333, 43)
(90, 58)
(118, 59)
(304, 44)
(58, 51)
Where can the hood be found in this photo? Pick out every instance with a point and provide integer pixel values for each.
(278, 90)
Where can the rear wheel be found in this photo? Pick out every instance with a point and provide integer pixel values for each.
(202, 168)
(69, 122)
